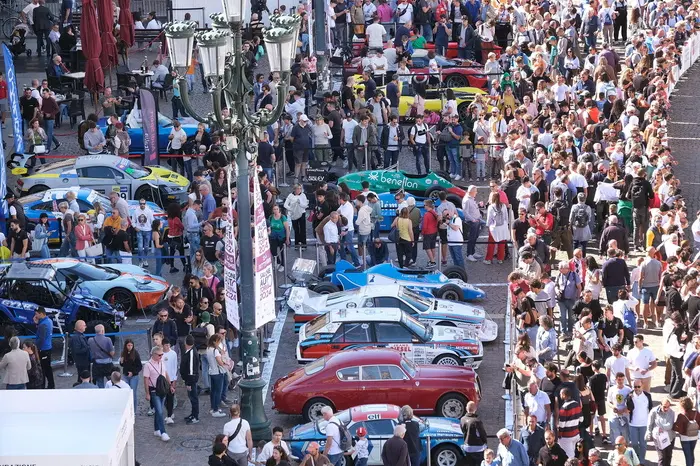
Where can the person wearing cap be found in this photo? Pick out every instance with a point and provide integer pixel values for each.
(301, 137)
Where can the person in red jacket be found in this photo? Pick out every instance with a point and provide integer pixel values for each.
(430, 231)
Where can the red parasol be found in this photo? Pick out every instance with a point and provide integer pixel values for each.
(105, 14)
(126, 23)
(92, 46)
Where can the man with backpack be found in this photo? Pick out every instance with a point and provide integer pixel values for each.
(642, 194)
(580, 218)
(561, 233)
(201, 334)
(338, 439)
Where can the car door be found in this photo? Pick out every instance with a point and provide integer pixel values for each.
(387, 383)
(394, 335)
(378, 432)
(346, 391)
(103, 180)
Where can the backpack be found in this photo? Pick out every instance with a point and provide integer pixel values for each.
(691, 429)
(345, 443)
(629, 319)
(581, 217)
(200, 337)
(162, 386)
(561, 211)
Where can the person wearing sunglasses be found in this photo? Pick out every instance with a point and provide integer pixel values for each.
(165, 325)
(639, 406)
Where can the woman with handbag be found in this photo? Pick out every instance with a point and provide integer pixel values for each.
(36, 139)
(83, 238)
(41, 236)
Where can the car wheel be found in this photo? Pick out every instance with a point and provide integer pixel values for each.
(121, 299)
(463, 110)
(40, 188)
(147, 193)
(326, 288)
(455, 271)
(327, 270)
(446, 455)
(447, 360)
(452, 405)
(450, 292)
(433, 192)
(456, 80)
(313, 407)
(346, 460)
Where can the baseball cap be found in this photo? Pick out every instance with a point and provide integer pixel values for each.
(303, 117)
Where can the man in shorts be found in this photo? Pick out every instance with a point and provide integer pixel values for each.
(649, 279)
(430, 231)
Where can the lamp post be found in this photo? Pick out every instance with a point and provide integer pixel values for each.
(221, 54)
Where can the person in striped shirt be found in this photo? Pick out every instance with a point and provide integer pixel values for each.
(570, 416)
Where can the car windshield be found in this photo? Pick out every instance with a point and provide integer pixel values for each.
(133, 169)
(408, 367)
(316, 366)
(31, 198)
(92, 272)
(426, 333)
(317, 324)
(421, 303)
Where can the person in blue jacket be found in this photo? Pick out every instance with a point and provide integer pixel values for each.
(44, 332)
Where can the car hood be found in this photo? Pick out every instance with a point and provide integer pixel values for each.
(137, 273)
(304, 301)
(448, 333)
(459, 311)
(162, 174)
(97, 304)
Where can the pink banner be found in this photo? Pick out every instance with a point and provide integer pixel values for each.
(230, 267)
(264, 273)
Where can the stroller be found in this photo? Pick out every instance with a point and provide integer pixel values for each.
(18, 40)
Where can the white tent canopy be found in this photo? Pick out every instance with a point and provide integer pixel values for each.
(94, 427)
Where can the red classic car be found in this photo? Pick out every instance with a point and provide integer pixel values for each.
(350, 378)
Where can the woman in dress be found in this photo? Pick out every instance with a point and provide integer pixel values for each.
(36, 375)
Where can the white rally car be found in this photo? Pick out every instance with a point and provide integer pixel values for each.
(430, 311)
(346, 329)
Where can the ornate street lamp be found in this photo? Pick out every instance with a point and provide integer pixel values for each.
(221, 53)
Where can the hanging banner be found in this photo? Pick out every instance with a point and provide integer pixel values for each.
(3, 187)
(264, 274)
(13, 101)
(230, 270)
(149, 118)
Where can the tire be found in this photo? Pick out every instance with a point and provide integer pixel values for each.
(8, 26)
(326, 288)
(452, 405)
(433, 192)
(312, 409)
(446, 455)
(122, 299)
(456, 80)
(447, 360)
(327, 270)
(455, 271)
(38, 189)
(147, 193)
(450, 292)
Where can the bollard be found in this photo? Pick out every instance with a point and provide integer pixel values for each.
(284, 255)
(284, 183)
(430, 159)
(428, 459)
(439, 251)
(366, 158)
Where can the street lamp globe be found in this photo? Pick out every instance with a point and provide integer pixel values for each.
(219, 21)
(235, 10)
(179, 36)
(213, 46)
(281, 47)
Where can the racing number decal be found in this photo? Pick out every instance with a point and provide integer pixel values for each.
(374, 417)
(122, 191)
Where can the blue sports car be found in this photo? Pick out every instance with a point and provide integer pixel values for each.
(47, 202)
(389, 206)
(450, 284)
(446, 437)
(132, 122)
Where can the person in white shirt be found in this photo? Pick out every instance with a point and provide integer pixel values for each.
(266, 453)
(561, 90)
(642, 362)
(364, 223)
(240, 445)
(116, 381)
(141, 220)
(332, 447)
(171, 366)
(375, 34)
(27, 13)
(695, 228)
(617, 363)
(455, 237)
(153, 23)
(331, 237)
(369, 9)
(617, 400)
(639, 404)
(379, 65)
(347, 210)
(537, 404)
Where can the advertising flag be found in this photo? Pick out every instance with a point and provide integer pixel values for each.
(149, 118)
(230, 271)
(13, 101)
(264, 274)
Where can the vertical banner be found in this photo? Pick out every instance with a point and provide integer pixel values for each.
(149, 119)
(264, 279)
(230, 272)
(13, 102)
(3, 186)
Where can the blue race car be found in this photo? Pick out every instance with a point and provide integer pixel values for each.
(446, 437)
(132, 123)
(450, 284)
(47, 202)
(24, 286)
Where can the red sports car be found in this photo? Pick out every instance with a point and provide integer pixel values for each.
(350, 378)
